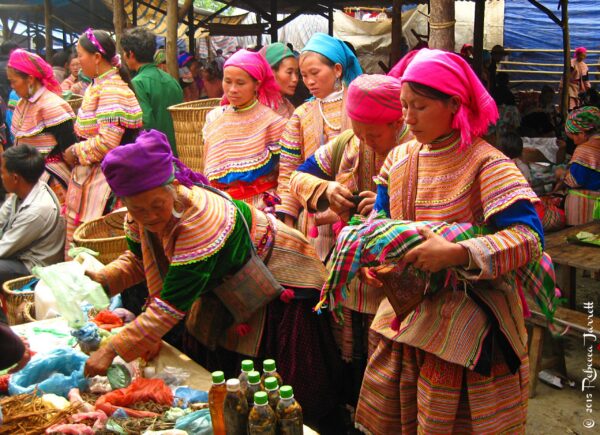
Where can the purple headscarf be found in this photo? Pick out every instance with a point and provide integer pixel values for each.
(146, 164)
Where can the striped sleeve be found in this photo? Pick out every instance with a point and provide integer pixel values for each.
(93, 149)
(291, 158)
(308, 189)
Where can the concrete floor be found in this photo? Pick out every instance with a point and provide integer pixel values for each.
(553, 411)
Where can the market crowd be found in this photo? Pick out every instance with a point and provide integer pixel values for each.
(430, 141)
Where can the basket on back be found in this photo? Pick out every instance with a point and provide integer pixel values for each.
(105, 235)
(15, 301)
(188, 120)
(75, 102)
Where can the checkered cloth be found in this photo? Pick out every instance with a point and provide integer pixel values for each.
(386, 241)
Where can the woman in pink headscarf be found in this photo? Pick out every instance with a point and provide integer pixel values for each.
(241, 136)
(42, 118)
(339, 176)
(458, 362)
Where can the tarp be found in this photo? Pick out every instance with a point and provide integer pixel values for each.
(525, 26)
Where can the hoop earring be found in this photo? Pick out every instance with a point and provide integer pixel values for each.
(97, 73)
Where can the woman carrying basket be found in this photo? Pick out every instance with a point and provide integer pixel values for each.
(458, 362)
(42, 118)
(241, 137)
(184, 239)
(109, 116)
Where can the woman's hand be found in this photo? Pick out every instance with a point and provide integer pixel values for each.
(365, 206)
(70, 156)
(339, 197)
(436, 253)
(368, 275)
(99, 278)
(99, 361)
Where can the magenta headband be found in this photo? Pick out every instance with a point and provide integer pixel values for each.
(89, 34)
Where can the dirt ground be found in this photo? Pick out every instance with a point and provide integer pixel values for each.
(553, 411)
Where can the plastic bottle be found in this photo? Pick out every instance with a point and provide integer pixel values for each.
(289, 413)
(216, 400)
(254, 386)
(269, 369)
(247, 367)
(262, 419)
(272, 389)
(235, 409)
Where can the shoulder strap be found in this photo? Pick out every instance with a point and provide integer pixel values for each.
(339, 146)
(228, 198)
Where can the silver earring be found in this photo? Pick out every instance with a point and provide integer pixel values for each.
(30, 90)
(338, 84)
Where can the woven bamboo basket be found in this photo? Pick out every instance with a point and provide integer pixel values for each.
(188, 120)
(15, 301)
(75, 102)
(104, 235)
(29, 312)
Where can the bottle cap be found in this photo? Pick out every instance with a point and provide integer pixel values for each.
(233, 384)
(218, 377)
(253, 377)
(269, 365)
(261, 398)
(247, 365)
(286, 392)
(271, 383)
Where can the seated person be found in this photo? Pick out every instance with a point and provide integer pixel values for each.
(511, 145)
(32, 231)
(501, 93)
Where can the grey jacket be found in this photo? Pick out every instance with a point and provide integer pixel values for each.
(32, 230)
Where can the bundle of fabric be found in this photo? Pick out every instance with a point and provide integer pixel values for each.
(386, 241)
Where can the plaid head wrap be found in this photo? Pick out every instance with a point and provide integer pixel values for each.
(584, 119)
(33, 65)
(374, 99)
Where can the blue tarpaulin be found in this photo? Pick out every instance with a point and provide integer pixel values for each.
(525, 26)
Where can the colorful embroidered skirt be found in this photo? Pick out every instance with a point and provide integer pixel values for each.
(582, 206)
(407, 391)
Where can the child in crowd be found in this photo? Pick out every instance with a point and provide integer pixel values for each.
(511, 145)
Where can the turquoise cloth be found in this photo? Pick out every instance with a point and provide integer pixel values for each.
(156, 91)
(336, 51)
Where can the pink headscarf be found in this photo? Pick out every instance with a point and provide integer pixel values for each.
(451, 74)
(580, 50)
(33, 65)
(374, 99)
(257, 66)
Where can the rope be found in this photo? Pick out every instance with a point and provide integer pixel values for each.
(444, 25)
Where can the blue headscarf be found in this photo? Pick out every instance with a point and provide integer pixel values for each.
(337, 52)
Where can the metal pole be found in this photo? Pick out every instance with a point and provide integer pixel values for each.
(396, 52)
(330, 20)
(567, 58)
(274, 27)
(259, 34)
(134, 11)
(48, 26)
(191, 31)
(478, 37)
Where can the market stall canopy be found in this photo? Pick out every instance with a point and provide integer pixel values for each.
(152, 14)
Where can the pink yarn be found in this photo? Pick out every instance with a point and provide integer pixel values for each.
(313, 232)
(451, 74)
(269, 92)
(242, 329)
(396, 324)
(33, 65)
(287, 296)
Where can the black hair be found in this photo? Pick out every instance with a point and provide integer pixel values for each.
(110, 50)
(351, 47)
(8, 46)
(324, 59)
(213, 70)
(219, 51)
(141, 42)
(510, 144)
(429, 92)
(59, 58)
(547, 89)
(24, 160)
(290, 46)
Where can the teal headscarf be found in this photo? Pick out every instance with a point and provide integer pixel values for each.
(336, 51)
(275, 53)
